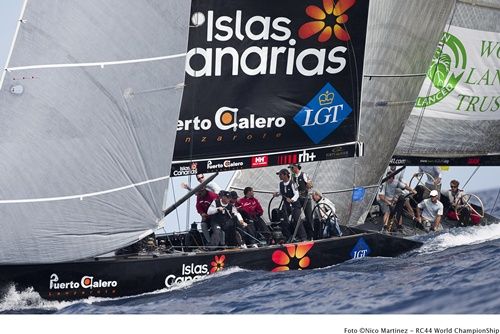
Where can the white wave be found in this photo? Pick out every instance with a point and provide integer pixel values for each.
(461, 236)
(28, 299)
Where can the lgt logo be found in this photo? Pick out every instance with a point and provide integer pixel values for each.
(359, 254)
(360, 250)
(323, 114)
(260, 161)
(306, 156)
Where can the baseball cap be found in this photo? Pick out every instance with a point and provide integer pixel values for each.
(224, 193)
(294, 165)
(283, 171)
(434, 193)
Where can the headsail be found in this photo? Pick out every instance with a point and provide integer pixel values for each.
(401, 39)
(456, 119)
(88, 104)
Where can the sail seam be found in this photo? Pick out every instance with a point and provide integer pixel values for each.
(18, 26)
(96, 64)
(81, 196)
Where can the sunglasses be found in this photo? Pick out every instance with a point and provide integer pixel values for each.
(454, 187)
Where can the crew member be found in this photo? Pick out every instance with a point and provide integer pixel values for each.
(211, 186)
(203, 200)
(291, 206)
(304, 184)
(225, 218)
(432, 211)
(252, 211)
(325, 212)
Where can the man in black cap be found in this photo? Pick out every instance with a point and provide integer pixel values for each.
(291, 205)
(304, 184)
(225, 217)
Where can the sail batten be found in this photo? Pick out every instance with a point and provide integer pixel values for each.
(80, 196)
(96, 64)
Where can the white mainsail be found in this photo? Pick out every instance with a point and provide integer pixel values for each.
(466, 122)
(88, 105)
(401, 39)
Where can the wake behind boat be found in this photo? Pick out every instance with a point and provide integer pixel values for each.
(99, 106)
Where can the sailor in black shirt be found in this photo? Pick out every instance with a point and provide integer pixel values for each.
(304, 184)
(224, 217)
(291, 205)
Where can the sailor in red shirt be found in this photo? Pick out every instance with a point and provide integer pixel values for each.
(203, 200)
(250, 209)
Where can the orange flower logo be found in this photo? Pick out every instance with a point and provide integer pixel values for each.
(217, 264)
(332, 15)
(295, 259)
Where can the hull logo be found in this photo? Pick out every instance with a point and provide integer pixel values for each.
(360, 250)
(86, 282)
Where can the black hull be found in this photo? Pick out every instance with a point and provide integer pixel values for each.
(132, 275)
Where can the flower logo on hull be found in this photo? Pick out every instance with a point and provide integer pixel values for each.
(217, 264)
(294, 258)
(327, 20)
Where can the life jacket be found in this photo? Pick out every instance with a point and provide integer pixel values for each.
(222, 217)
(287, 191)
(300, 182)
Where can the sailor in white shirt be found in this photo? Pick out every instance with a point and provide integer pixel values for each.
(430, 211)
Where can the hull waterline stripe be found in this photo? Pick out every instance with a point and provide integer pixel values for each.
(96, 64)
(81, 196)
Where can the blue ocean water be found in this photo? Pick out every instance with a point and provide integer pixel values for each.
(454, 272)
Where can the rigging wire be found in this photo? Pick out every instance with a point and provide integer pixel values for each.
(474, 172)
(176, 212)
(421, 115)
(191, 143)
(357, 120)
(495, 204)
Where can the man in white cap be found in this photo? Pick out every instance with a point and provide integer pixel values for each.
(429, 212)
